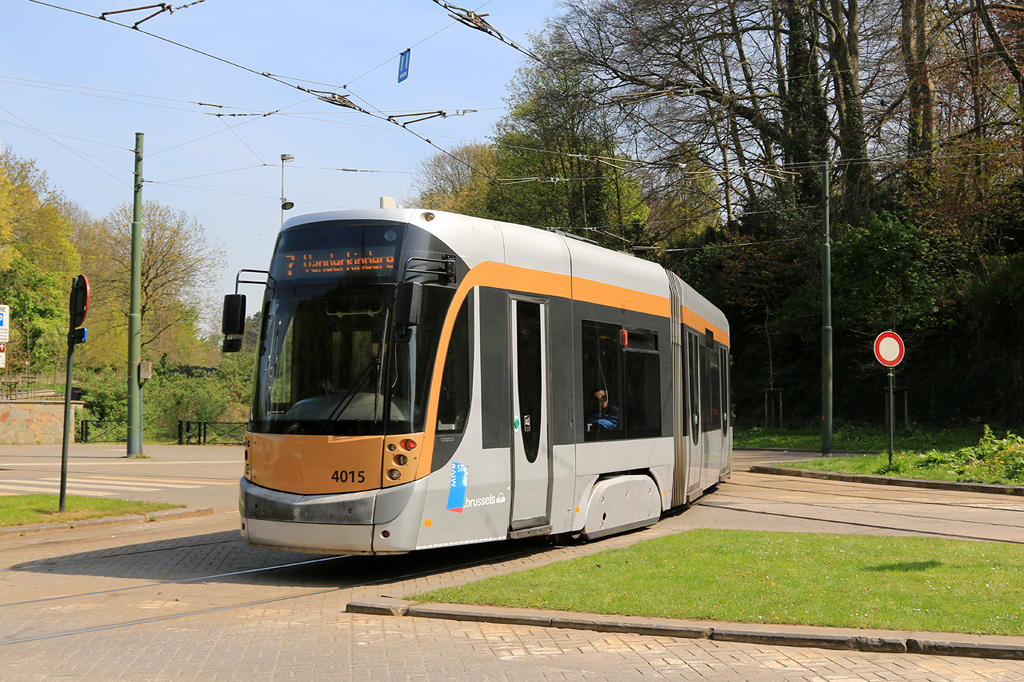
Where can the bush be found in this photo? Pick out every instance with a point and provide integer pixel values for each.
(105, 394)
(220, 394)
(992, 460)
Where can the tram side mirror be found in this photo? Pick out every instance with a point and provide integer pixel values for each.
(232, 323)
(233, 320)
(408, 301)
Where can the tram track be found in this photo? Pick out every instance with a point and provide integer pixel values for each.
(397, 576)
(56, 544)
(952, 536)
(831, 493)
(165, 583)
(733, 499)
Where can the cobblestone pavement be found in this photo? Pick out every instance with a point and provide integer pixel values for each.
(185, 599)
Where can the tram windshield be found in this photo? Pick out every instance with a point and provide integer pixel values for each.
(328, 360)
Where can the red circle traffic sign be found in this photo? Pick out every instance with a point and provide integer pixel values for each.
(889, 349)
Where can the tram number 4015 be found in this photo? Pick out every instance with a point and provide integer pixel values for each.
(349, 476)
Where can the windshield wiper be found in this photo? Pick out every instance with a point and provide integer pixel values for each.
(342, 405)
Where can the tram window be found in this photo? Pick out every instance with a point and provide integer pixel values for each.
(643, 394)
(711, 390)
(453, 402)
(621, 383)
(694, 393)
(602, 381)
(529, 361)
(724, 352)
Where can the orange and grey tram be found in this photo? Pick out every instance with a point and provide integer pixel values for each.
(426, 379)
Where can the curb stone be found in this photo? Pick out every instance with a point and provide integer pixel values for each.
(106, 521)
(877, 641)
(987, 488)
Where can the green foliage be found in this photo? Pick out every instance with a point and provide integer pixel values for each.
(854, 438)
(172, 397)
(555, 155)
(991, 460)
(881, 277)
(219, 394)
(37, 262)
(105, 393)
(235, 374)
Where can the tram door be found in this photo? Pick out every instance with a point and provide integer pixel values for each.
(693, 387)
(531, 446)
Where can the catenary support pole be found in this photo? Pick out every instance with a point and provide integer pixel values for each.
(134, 315)
(826, 319)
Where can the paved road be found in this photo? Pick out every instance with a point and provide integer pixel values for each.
(193, 475)
(184, 599)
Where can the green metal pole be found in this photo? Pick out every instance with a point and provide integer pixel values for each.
(826, 320)
(135, 315)
(68, 425)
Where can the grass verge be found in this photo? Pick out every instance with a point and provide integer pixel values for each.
(856, 438)
(24, 510)
(902, 583)
(991, 460)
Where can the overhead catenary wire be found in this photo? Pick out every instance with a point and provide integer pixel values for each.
(82, 155)
(479, 22)
(329, 97)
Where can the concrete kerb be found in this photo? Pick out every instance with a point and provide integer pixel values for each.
(161, 515)
(987, 488)
(878, 641)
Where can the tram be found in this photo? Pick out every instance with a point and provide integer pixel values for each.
(426, 379)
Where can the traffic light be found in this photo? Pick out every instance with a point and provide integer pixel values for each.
(78, 303)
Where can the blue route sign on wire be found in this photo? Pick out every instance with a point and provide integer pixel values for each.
(403, 65)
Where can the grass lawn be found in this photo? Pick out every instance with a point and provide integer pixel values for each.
(905, 465)
(856, 438)
(23, 510)
(992, 460)
(762, 577)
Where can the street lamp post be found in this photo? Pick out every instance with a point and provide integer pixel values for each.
(285, 204)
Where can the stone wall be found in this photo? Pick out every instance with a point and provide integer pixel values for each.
(34, 422)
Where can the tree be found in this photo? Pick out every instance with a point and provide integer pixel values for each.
(179, 267)
(37, 261)
(456, 180)
(557, 155)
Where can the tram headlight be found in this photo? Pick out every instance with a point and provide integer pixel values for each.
(408, 444)
(401, 460)
(394, 474)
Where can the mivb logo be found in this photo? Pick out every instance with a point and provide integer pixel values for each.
(458, 483)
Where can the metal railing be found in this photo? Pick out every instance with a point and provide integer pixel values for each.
(95, 431)
(211, 433)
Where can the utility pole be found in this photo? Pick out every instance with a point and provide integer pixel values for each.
(135, 315)
(826, 319)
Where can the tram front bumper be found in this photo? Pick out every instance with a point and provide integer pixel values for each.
(328, 524)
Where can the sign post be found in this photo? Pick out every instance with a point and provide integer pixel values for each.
(5, 325)
(78, 305)
(889, 351)
(403, 65)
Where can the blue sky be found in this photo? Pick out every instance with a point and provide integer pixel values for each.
(74, 90)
